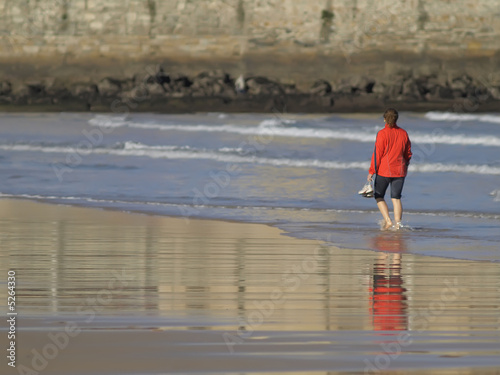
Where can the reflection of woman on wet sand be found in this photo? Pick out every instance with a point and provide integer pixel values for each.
(392, 242)
(387, 294)
(388, 299)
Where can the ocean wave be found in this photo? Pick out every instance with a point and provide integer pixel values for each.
(457, 139)
(458, 168)
(139, 146)
(230, 155)
(107, 121)
(451, 116)
(276, 122)
(275, 128)
(130, 145)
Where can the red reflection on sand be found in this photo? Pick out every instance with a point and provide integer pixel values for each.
(387, 292)
(393, 242)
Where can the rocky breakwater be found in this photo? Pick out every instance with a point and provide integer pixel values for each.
(217, 91)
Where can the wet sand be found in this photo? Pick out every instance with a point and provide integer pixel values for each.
(103, 292)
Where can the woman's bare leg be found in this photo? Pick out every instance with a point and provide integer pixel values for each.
(398, 210)
(384, 210)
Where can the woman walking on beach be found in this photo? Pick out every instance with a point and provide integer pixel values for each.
(390, 161)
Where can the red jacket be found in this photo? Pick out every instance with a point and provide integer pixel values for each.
(392, 153)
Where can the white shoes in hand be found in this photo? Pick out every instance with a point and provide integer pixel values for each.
(367, 190)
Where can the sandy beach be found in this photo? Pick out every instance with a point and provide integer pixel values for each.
(107, 292)
(182, 187)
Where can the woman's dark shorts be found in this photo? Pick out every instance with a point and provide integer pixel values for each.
(381, 184)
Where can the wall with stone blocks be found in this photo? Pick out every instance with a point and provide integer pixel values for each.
(289, 39)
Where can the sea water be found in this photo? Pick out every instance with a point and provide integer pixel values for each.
(300, 173)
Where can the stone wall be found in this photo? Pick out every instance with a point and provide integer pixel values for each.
(291, 40)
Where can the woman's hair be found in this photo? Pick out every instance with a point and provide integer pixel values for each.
(391, 116)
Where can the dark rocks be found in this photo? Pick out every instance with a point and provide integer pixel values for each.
(290, 88)
(321, 88)
(263, 86)
(495, 92)
(410, 90)
(5, 88)
(461, 83)
(216, 90)
(27, 93)
(362, 84)
(355, 85)
(109, 87)
(426, 88)
(180, 82)
(83, 90)
(213, 83)
(35, 88)
(136, 95)
(156, 89)
(379, 89)
(439, 93)
(160, 77)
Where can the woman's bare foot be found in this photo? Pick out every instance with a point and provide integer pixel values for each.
(386, 225)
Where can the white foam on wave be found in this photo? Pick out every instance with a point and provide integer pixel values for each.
(107, 121)
(457, 139)
(36, 196)
(130, 145)
(227, 155)
(139, 146)
(273, 128)
(451, 116)
(276, 122)
(458, 168)
(268, 127)
(37, 148)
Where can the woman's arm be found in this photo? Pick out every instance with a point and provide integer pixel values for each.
(407, 153)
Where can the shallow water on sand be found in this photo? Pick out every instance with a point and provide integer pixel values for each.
(300, 173)
(159, 295)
